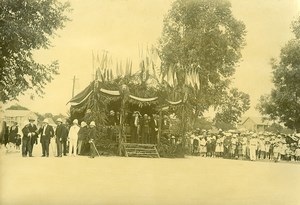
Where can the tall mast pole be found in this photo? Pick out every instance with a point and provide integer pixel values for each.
(73, 89)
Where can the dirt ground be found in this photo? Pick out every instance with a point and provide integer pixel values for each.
(119, 180)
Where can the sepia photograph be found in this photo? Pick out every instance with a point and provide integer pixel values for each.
(149, 102)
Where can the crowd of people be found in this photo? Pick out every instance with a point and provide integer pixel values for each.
(69, 141)
(247, 146)
(76, 139)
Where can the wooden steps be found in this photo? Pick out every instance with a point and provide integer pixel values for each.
(140, 150)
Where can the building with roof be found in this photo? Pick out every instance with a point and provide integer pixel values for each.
(254, 124)
(19, 116)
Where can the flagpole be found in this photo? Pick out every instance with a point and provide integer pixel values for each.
(93, 64)
(73, 89)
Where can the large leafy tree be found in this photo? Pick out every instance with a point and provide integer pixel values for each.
(199, 48)
(283, 103)
(25, 26)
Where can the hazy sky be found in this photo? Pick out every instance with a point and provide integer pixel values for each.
(121, 26)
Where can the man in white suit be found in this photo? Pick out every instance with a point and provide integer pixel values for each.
(73, 137)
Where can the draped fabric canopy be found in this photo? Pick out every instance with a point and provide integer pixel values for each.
(82, 97)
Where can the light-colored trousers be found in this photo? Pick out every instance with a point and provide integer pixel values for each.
(73, 145)
(252, 152)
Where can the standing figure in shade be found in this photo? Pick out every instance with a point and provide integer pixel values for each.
(92, 137)
(46, 132)
(112, 122)
(253, 147)
(135, 127)
(73, 137)
(145, 129)
(30, 135)
(227, 146)
(61, 134)
(2, 131)
(153, 129)
(13, 134)
(82, 136)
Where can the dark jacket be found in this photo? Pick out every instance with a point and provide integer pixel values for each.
(30, 129)
(92, 133)
(61, 133)
(49, 132)
(83, 133)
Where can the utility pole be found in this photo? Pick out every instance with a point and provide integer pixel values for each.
(73, 89)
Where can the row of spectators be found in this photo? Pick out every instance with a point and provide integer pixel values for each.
(250, 145)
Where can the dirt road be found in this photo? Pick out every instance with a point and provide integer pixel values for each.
(118, 180)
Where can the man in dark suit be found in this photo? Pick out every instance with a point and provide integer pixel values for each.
(153, 129)
(46, 132)
(30, 135)
(111, 125)
(135, 127)
(61, 134)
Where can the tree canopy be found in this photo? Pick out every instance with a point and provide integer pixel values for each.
(283, 103)
(199, 48)
(26, 26)
(234, 104)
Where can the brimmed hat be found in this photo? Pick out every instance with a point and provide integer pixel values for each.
(59, 120)
(92, 123)
(46, 120)
(83, 124)
(31, 119)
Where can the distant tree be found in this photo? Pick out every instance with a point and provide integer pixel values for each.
(224, 125)
(284, 101)
(277, 128)
(48, 115)
(202, 123)
(17, 107)
(234, 104)
(25, 26)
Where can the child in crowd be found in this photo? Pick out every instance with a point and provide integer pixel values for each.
(18, 142)
(267, 148)
(297, 153)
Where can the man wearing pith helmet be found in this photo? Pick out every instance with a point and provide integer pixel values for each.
(82, 136)
(92, 137)
(73, 137)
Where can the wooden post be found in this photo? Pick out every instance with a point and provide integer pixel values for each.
(73, 89)
(124, 95)
(159, 126)
(121, 127)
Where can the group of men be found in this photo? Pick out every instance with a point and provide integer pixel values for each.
(252, 146)
(143, 128)
(66, 139)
